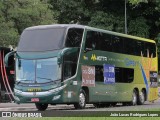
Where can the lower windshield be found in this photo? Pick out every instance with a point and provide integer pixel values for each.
(37, 71)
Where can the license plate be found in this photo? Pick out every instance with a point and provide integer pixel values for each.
(35, 100)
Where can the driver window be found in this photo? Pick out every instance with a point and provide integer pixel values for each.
(70, 64)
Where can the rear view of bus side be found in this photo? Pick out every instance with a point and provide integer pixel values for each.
(75, 64)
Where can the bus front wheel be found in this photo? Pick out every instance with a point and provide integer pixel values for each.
(41, 106)
(82, 100)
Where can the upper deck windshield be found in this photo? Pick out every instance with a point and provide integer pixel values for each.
(41, 39)
(48, 39)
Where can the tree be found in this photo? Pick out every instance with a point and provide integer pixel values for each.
(135, 2)
(24, 13)
(109, 14)
(72, 11)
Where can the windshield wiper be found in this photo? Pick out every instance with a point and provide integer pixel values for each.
(23, 80)
(49, 79)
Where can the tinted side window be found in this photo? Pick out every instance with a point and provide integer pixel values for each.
(150, 50)
(128, 75)
(74, 37)
(99, 73)
(112, 43)
(118, 74)
(140, 48)
(129, 46)
(106, 42)
(92, 40)
(124, 75)
(117, 43)
(99, 41)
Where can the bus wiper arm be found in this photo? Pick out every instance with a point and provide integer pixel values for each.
(48, 79)
(21, 81)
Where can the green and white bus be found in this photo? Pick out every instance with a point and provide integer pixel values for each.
(76, 64)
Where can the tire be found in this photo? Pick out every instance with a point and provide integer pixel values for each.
(41, 106)
(141, 98)
(134, 98)
(82, 100)
(113, 104)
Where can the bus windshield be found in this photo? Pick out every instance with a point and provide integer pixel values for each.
(39, 71)
(41, 40)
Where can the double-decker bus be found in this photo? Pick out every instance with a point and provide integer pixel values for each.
(76, 64)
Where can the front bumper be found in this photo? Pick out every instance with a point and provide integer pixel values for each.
(50, 96)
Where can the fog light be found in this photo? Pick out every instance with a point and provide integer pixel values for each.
(16, 98)
(56, 97)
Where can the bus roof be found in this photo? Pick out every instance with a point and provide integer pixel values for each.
(88, 28)
(54, 26)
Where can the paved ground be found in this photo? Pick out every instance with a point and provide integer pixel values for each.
(89, 107)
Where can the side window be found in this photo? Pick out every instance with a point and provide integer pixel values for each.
(118, 74)
(92, 40)
(140, 49)
(129, 46)
(117, 43)
(74, 37)
(153, 49)
(124, 75)
(106, 42)
(150, 50)
(128, 75)
(99, 73)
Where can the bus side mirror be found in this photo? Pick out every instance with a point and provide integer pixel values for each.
(7, 56)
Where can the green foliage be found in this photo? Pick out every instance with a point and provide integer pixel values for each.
(8, 34)
(71, 11)
(19, 14)
(107, 21)
(135, 2)
(139, 27)
(143, 16)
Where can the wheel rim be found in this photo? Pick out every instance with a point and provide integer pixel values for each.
(82, 100)
(142, 97)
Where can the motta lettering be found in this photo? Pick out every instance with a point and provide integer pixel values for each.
(98, 58)
(101, 58)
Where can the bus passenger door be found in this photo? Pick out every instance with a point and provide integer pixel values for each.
(70, 59)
